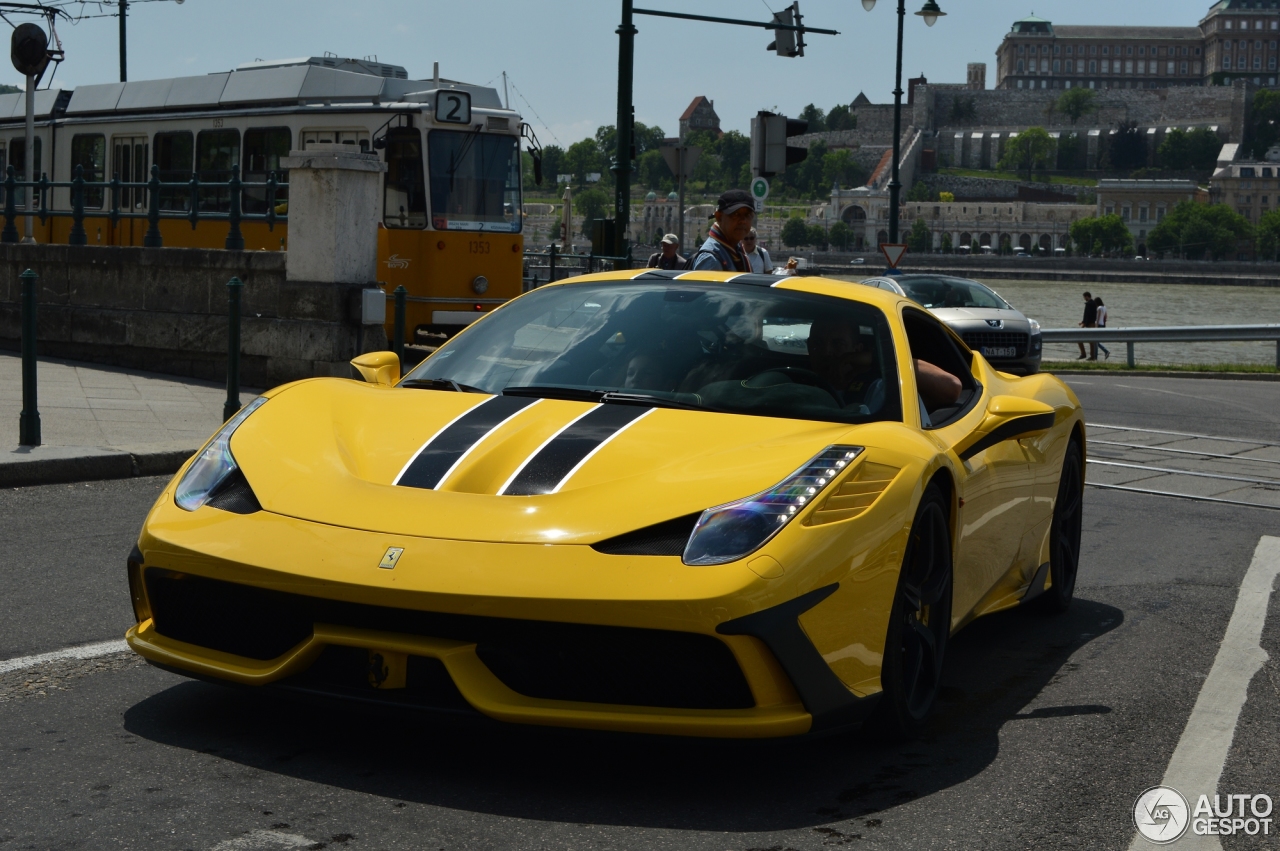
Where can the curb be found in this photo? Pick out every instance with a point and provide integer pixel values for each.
(1224, 376)
(24, 467)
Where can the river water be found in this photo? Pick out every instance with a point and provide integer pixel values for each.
(1058, 304)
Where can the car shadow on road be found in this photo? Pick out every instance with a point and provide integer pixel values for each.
(996, 667)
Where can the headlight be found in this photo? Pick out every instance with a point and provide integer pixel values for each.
(1035, 326)
(729, 532)
(213, 464)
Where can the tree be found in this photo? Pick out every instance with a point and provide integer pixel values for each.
(841, 236)
(1195, 230)
(1264, 124)
(735, 152)
(1128, 149)
(652, 172)
(946, 197)
(1196, 150)
(1072, 153)
(1205, 148)
(842, 118)
(919, 240)
(840, 167)
(816, 235)
(581, 159)
(1269, 235)
(552, 164)
(817, 118)
(1077, 103)
(795, 232)
(1030, 149)
(946, 243)
(1174, 152)
(920, 191)
(591, 205)
(1102, 234)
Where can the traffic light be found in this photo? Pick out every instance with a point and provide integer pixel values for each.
(770, 153)
(788, 42)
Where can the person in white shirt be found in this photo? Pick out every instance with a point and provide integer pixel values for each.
(757, 256)
(1102, 323)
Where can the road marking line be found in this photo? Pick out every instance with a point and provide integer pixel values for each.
(84, 651)
(261, 840)
(1196, 765)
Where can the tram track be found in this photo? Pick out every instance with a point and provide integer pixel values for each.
(1185, 470)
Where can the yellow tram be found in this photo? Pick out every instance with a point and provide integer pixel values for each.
(452, 218)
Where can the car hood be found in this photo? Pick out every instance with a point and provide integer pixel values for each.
(978, 314)
(331, 451)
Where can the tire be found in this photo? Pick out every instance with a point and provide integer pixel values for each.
(1064, 534)
(919, 622)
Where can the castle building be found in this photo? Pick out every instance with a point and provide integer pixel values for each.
(1237, 39)
(700, 115)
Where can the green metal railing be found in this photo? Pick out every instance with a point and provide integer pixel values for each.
(196, 194)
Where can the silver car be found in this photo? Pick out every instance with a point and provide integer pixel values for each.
(986, 322)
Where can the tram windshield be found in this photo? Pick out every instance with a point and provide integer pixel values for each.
(475, 181)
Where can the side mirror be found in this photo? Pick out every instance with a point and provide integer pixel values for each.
(1008, 418)
(378, 368)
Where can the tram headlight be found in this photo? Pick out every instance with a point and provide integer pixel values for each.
(480, 285)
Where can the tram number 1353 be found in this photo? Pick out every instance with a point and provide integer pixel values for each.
(478, 246)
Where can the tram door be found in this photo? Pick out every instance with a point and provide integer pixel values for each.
(129, 158)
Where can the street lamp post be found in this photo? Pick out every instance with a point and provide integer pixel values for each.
(930, 12)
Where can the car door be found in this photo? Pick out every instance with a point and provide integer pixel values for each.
(995, 487)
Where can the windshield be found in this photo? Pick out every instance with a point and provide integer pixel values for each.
(737, 349)
(951, 292)
(475, 181)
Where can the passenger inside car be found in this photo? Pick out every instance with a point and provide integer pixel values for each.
(839, 355)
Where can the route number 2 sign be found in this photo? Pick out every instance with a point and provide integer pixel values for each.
(453, 107)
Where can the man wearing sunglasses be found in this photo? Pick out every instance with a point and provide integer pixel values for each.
(723, 251)
(757, 255)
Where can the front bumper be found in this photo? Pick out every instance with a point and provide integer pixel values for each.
(790, 689)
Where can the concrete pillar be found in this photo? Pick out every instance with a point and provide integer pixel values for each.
(975, 150)
(334, 201)
(958, 157)
(1091, 148)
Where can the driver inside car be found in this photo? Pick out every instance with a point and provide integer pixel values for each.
(844, 360)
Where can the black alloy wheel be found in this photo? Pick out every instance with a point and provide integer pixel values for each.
(1064, 535)
(920, 622)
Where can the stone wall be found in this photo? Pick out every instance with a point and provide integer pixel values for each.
(982, 187)
(165, 310)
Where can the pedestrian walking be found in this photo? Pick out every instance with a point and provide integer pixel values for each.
(723, 251)
(669, 256)
(1090, 321)
(1100, 321)
(757, 255)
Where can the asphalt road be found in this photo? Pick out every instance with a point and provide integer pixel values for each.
(1048, 729)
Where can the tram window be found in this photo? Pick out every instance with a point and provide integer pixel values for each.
(173, 155)
(18, 157)
(263, 148)
(355, 138)
(89, 151)
(475, 181)
(404, 192)
(217, 159)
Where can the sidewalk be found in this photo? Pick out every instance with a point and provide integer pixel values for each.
(102, 422)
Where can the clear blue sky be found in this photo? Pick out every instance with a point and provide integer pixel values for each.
(562, 54)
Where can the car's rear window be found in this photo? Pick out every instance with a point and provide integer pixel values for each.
(723, 347)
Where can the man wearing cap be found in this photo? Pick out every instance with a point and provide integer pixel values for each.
(669, 257)
(723, 251)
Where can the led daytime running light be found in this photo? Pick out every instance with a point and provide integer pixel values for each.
(729, 532)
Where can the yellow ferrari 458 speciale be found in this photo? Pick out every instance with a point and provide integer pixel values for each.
(681, 503)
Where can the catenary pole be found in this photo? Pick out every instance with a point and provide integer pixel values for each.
(124, 66)
(622, 165)
(895, 185)
(30, 159)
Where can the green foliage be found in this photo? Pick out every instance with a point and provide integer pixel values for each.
(591, 205)
(840, 167)
(1127, 149)
(842, 118)
(816, 235)
(840, 236)
(1269, 235)
(1264, 124)
(6, 89)
(1102, 234)
(583, 158)
(1196, 230)
(1030, 149)
(817, 118)
(921, 192)
(1077, 103)
(1072, 152)
(947, 197)
(795, 232)
(963, 109)
(552, 164)
(1194, 151)
(946, 242)
(919, 240)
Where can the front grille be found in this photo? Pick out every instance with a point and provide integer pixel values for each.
(557, 661)
(977, 339)
(344, 672)
(668, 538)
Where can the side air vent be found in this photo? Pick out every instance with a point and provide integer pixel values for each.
(236, 496)
(855, 494)
(496, 122)
(661, 539)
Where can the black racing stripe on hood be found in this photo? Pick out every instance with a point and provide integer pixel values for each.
(548, 468)
(439, 454)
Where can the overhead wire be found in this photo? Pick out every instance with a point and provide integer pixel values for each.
(544, 124)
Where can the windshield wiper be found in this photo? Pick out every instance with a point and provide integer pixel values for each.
(441, 384)
(624, 398)
(551, 391)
